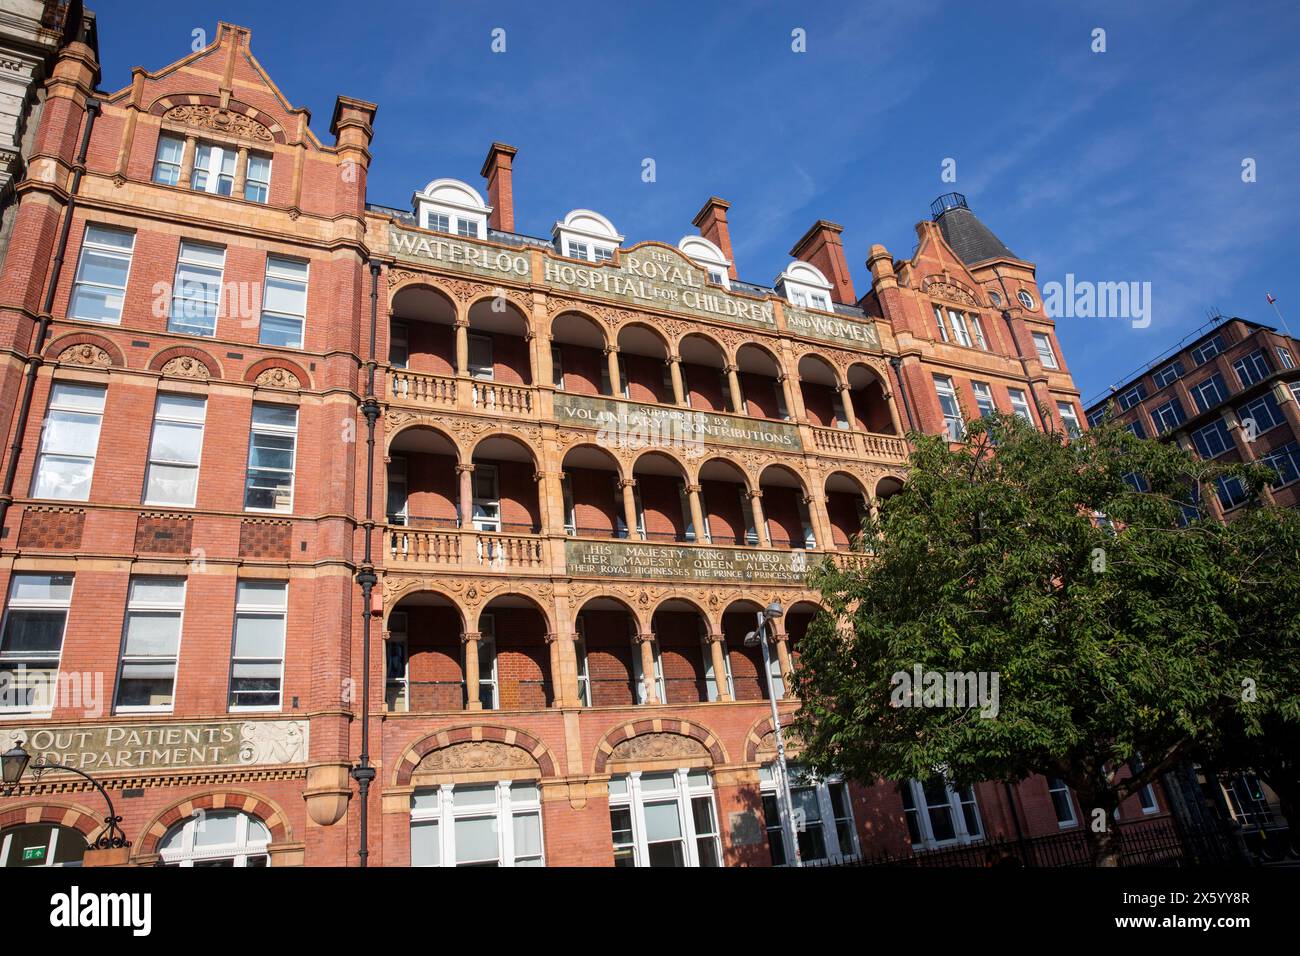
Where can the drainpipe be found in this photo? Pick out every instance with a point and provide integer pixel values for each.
(896, 364)
(1011, 332)
(34, 360)
(363, 773)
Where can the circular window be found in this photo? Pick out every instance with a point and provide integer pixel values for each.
(1025, 298)
(995, 298)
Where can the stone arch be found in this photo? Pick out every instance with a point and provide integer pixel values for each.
(861, 484)
(721, 458)
(171, 362)
(72, 815)
(393, 598)
(756, 739)
(400, 281)
(86, 349)
(889, 484)
(818, 357)
(204, 112)
(263, 808)
(537, 604)
(624, 602)
(629, 730)
(659, 334)
(474, 734)
(294, 376)
(592, 445)
(664, 453)
(728, 356)
(586, 315)
(490, 293)
(514, 436)
(414, 423)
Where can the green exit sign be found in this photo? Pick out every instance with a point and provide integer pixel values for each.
(34, 853)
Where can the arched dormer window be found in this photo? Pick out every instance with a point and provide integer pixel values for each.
(584, 234)
(452, 207)
(709, 257)
(804, 285)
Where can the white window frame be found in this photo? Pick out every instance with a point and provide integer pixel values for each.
(250, 609)
(217, 154)
(821, 787)
(577, 249)
(436, 220)
(638, 672)
(43, 698)
(397, 637)
(281, 431)
(258, 184)
(285, 276)
(959, 328)
(1284, 356)
(955, 804)
(182, 303)
(490, 505)
(580, 652)
(155, 460)
(106, 251)
(239, 852)
(479, 370)
(684, 792)
(142, 607)
(1056, 786)
(954, 421)
(159, 163)
(1203, 353)
(58, 406)
(1021, 405)
(1046, 353)
(397, 477)
(1222, 440)
(505, 806)
(1069, 419)
(399, 340)
(984, 401)
(942, 323)
(487, 655)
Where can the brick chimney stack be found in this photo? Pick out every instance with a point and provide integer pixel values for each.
(821, 247)
(712, 223)
(501, 196)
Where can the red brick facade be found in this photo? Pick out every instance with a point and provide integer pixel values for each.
(567, 647)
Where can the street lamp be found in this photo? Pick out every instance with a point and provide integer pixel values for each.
(759, 636)
(13, 764)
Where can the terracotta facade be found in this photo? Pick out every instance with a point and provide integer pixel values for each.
(734, 433)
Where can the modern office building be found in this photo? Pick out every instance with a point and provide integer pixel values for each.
(277, 448)
(1228, 392)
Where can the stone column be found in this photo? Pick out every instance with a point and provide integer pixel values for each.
(646, 641)
(733, 384)
(466, 473)
(462, 346)
(471, 639)
(615, 380)
(782, 643)
(697, 514)
(241, 173)
(629, 506)
(760, 520)
(846, 398)
(719, 666)
(821, 522)
(784, 381)
(675, 373)
(187, 161)
(564, 678)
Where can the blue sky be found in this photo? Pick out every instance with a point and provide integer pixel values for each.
(1115, 166)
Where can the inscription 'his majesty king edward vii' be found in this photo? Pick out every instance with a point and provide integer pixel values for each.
(614, 559)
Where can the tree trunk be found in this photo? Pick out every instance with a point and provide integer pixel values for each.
(1105, 845)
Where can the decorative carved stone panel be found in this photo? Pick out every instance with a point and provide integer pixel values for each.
(85, 354)
(657, 746)
(278, 378)
(476, 755)
(943, 289)
(186, 366)
(217, 120)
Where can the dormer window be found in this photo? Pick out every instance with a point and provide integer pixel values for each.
(452, 208)
(709, 257)
(586, 235)
(804, 285)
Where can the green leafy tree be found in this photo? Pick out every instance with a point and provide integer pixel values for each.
(1127, 628)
